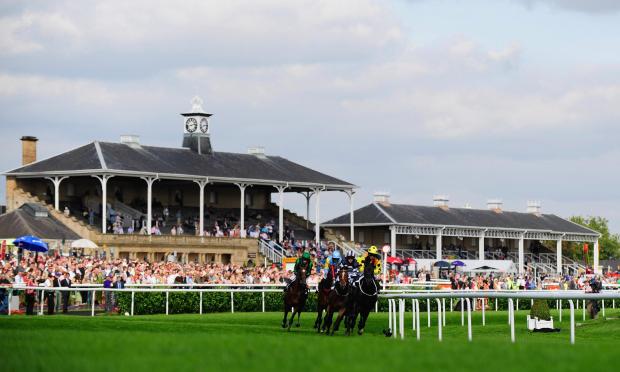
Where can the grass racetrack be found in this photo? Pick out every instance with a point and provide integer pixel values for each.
(255, 341)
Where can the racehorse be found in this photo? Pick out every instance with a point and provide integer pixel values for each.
(366, 295)
(295, 300)
(339, 300)
(325, 287)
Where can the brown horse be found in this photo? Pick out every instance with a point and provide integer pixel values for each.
(325, 287)
(295, 300)
(338, 301)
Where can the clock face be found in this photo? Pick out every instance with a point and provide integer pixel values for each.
(204, 125)
(191, 125)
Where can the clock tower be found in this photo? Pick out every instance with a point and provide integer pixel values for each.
(196, 128)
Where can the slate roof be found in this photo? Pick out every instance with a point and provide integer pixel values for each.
(22, 222)
(426, 215)
(179, 161)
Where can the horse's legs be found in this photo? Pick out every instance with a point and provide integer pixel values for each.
(286, 309)
(319, 317)
(327, 322)
(338, 320)
(298, 316)
(362, 323)
(293, 312)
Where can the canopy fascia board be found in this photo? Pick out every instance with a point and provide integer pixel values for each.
(184, 177)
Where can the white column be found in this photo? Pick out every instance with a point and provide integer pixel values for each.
(595, 265)
(202, 184)
(149, 201)
(242, 187)
(104, 201)
(559, 256)
(317, 217)
(521, 254)
(281, 212)
(481, 246)
(393, 241)
(56, 181)
(438, 245)
(352, 218)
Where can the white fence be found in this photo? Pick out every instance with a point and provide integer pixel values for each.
(396, 313)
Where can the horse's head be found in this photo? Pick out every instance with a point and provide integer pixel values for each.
(369, 269)
(343, 278)
(302, 275)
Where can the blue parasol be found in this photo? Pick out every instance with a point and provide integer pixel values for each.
(31, 243)
(458, 263)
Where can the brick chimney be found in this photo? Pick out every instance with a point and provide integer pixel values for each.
(495, 205)
(382, 198)
(29, 149)
(441, 201)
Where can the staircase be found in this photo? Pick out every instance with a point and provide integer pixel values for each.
(72, 222)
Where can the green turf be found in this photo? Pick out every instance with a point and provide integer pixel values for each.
(255, 341)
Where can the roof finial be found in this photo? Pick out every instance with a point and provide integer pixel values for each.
(197, 104)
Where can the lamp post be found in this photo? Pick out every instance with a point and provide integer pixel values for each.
(386, 248)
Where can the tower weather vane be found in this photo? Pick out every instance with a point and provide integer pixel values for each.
(197, 104)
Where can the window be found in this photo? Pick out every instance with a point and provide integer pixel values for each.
(249, 199)
(386, 238)
(360, 235)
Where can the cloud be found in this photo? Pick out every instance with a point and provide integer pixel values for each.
(585, 6)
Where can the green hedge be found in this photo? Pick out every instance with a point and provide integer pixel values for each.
(218, 302)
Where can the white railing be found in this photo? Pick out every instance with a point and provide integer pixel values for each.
(396, 314)
(269, 250)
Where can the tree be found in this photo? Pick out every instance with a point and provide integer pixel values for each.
(609, 243)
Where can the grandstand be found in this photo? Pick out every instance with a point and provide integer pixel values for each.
(103, 190)
(440, 232)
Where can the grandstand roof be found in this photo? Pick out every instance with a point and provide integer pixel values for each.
(33, 219)
(181, 163)
(402, 214)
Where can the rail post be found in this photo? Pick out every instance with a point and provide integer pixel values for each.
(263, 300)
(417, 306)
(413, 312)
(443, 305)
(511, 319)
(167, 293)
(584, 309)
(132, 301)
(390, 328)
(560, 309)
(572, 321)
(401, 313)
(462, 312)
(428, 311)
(232, 302)
(42, 300)
(603, 303)
(200, 303)
(92, 304)
(439, 316)
(9, 304)
(468, 319)
(484, 320)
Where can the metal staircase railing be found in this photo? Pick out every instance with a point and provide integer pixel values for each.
(271, 250)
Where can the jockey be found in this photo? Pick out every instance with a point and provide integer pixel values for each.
(351, 265)
(332, 264)
(372, 256)
(303, 262)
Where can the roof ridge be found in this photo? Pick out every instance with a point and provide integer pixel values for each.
(100, 155)
(384, 212)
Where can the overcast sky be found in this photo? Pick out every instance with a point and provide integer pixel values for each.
(476, 99)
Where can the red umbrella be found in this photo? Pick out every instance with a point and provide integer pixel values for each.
(410, 261)
(394, 260)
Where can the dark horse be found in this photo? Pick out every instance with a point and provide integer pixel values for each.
(366, 295)
(340, 300)
(325, 287)
(295, 300)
